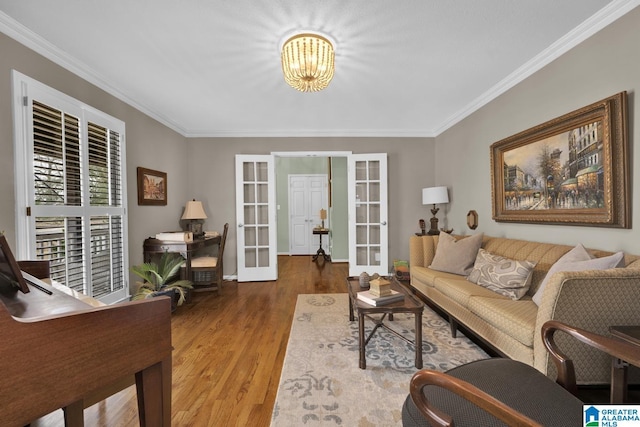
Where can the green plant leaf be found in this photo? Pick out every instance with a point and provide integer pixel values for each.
(158, 276)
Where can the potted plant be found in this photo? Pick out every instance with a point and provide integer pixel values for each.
(158, 279)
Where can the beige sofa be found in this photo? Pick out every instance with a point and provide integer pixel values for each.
(592, 300)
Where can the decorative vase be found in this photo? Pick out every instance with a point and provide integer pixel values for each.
(364, 280)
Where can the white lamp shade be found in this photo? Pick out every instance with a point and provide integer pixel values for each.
(194, 210)
(435, 195)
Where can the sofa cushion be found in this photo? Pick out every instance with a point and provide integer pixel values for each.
(543, 254)
(456, 256)
(460, 290)
(428, 276)
(515, 318)
(503, 275)
(578, 259)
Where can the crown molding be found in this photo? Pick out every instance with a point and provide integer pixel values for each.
(28, 38)
(307, 133)
(589, 27)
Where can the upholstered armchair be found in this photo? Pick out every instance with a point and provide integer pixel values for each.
(507, 392)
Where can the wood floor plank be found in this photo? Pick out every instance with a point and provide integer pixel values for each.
(228, 351)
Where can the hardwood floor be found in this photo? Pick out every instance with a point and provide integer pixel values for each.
(228, 351)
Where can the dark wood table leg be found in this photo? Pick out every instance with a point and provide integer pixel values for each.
(418, 340)
(618, 381)
(361, 341)
(320, 250)
(351, 317)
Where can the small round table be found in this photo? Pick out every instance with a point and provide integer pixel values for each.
(320, 232)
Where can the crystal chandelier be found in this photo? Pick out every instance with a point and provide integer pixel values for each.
(308, 62)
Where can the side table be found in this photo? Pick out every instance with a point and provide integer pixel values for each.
(320, 232)
(630, 334)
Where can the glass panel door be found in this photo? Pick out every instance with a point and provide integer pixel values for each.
(368, 232)
(256, 218)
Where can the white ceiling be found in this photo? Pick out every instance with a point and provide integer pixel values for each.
(212, 67)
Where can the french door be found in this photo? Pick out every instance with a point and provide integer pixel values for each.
(256, 218)
(368, 213)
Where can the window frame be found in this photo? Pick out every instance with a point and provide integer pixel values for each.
(24, 91)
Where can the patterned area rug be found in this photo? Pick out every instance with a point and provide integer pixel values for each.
(321, 383)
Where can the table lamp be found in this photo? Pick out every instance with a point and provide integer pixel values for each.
(323, 216)
(434, 196)
(194, 212)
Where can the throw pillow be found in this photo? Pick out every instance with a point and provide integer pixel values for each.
(502, 275)
(456, 256)
(578, 259)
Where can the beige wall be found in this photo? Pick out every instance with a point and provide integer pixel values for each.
(602, 66)
(149, 144)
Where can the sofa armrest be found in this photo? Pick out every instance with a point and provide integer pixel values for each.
(421, 250)
(590, 300)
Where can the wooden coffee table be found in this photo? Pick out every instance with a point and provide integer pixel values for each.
(410, 304)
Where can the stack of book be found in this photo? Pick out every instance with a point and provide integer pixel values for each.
(371, 299)
(175, 236)
(402, 270)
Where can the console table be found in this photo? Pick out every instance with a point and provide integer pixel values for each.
(154, 246)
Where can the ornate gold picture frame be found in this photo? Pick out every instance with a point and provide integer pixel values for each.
(572, 170)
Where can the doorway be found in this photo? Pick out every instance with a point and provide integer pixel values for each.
(365, 230)
(308, 195)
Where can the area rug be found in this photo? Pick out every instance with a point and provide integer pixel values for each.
(321, 383)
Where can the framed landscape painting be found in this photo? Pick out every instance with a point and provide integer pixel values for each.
(572, 170)
(152, 187)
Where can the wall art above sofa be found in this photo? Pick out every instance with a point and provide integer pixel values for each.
(572, 170)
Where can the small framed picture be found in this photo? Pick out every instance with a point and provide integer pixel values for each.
(152, 187)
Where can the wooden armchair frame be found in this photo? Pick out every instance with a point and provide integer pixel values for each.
(566, 377)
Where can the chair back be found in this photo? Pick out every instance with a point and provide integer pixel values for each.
(223, 240)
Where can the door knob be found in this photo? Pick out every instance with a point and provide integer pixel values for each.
(383, 223)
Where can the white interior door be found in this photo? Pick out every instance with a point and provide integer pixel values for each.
(368, 214)
(308, 194)
(256, 218)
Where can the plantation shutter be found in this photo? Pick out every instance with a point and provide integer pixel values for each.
(75, 166)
